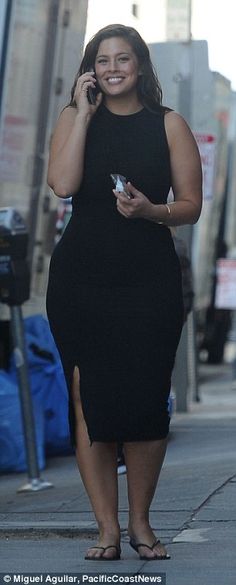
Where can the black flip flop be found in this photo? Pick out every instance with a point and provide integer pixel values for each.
(102, 558)
(135, 545)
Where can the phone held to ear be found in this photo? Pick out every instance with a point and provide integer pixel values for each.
(93, 92)
(120, 185)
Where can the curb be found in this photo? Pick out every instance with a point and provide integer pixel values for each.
(31, 530)
(86, 529)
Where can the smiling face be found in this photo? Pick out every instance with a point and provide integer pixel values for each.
(117, 68)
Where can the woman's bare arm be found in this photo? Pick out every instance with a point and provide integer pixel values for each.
(186, 175)
(66, 160)
(186, 171)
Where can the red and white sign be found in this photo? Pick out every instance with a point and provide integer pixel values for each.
(226, 284)
(207, 146)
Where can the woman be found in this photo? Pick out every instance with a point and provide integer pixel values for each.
(114, 297)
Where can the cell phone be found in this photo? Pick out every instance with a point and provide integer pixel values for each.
(93, 92)
(120, 184)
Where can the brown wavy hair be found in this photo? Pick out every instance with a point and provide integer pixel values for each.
(148, 85)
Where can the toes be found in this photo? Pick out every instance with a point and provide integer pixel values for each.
(160, 551)
(144, 551)
(100, 553)
(108, 555)
(111, 552)
(93, 553)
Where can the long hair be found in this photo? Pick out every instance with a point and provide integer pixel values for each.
(148, 86)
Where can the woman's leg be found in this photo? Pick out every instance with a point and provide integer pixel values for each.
(144, 461)
(98, 468)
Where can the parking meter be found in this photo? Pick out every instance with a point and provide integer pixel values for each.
(14, 291)
(14, 271)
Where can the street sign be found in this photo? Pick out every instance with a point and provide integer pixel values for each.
(226, 284)
(207, 146)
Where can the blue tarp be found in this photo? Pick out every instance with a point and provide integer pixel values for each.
(50, 400)
(12, 444)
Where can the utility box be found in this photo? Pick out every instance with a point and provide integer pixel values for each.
(14, 271)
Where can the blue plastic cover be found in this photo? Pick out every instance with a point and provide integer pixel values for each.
(12, 443)
(50, 400)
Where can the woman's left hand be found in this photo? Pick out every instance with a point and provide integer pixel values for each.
(138, 206)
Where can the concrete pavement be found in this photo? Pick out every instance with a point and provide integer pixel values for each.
(193, 512)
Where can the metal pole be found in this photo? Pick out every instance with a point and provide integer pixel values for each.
(38, 166)
(180, 373)
(192, 357)
(186, 375)
(3, 60)
(17, 331)
(24, 389)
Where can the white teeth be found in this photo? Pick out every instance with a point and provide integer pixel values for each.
(114, 79)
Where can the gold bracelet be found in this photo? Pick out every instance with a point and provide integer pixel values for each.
(168, 209)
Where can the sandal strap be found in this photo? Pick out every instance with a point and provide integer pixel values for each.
(156, 542)
(138, 544)
(113, 546)
(104, 548)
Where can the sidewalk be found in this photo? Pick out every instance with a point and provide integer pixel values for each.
(193, 512)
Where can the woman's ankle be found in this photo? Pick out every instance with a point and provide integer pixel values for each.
(109, 528)
(138, 524)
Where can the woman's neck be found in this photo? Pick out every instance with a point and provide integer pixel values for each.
(123, 105)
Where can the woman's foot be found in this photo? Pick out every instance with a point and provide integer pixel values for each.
(146, 544)
(107, 548)
(103, 553)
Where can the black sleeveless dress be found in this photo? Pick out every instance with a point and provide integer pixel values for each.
(114, 298)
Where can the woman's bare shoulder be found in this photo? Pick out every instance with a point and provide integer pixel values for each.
(176, 127)
(174, 120)
(64, 123)
(68, 113)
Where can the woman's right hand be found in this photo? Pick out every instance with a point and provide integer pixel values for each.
(81, 93)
